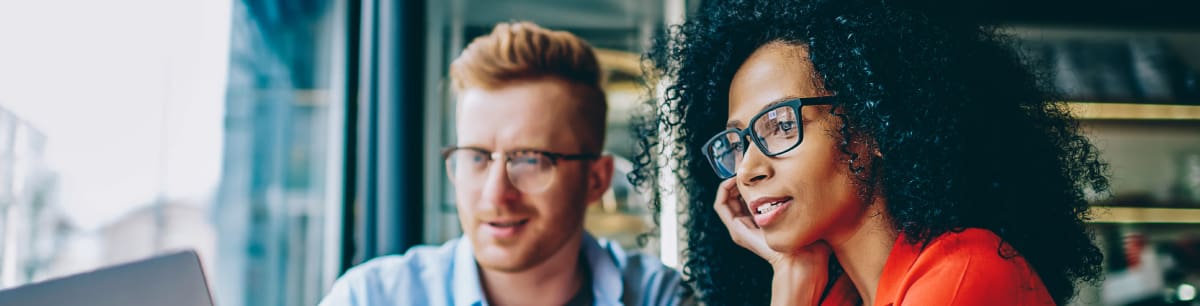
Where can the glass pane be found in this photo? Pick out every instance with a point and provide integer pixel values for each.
(280, 129)
(131, 119)
(134, 128)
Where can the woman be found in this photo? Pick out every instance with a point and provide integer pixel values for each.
(871, 153)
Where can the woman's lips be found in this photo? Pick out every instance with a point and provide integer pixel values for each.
(767, 210)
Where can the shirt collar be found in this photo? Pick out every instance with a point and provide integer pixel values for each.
(467, 290)
(607, 284)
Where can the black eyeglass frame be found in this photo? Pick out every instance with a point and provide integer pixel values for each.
(749, 132)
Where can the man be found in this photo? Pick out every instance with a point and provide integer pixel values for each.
(530, 129)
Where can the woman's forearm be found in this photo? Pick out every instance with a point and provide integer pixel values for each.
(797, 286)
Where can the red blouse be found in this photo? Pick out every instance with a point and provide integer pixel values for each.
(964, 268)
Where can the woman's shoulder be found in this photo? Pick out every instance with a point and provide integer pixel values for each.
(973, 266)
(970, 241)
(980, 249)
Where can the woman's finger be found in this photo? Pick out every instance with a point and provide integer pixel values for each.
(738, 204)
(725, 205)
(734, 214)
(721, 205)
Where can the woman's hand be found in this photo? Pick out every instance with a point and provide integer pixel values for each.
(800, 275)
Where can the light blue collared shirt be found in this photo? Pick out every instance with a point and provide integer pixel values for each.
(448, 275)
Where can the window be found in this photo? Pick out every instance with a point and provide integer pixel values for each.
(131, 128)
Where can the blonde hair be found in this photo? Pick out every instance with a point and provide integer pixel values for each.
(523, 51)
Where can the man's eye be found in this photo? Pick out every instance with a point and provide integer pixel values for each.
(473, 159)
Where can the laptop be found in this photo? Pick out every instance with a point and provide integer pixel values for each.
(171, 279)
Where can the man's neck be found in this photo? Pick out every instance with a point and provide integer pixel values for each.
(551, 282)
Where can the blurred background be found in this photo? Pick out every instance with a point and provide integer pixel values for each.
(287, 140)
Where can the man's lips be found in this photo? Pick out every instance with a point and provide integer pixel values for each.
(504, 228)
(507, 222)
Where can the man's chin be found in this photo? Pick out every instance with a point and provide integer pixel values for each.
(504, 258)
(503, 266)
(508, 264)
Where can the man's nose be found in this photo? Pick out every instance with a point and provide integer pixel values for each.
(497, 188)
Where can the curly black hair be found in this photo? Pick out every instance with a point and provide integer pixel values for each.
(970, 135)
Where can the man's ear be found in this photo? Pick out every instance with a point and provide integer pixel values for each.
(599, 178)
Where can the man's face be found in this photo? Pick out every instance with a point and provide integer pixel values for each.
(513, 229)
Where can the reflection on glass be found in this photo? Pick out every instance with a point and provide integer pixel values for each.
(26, 236)
(129, 129)
(270, 205)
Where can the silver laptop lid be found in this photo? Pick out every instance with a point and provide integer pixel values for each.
(172, 279)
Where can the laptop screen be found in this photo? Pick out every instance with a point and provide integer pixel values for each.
(171, 279)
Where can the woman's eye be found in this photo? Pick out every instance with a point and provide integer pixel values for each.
(787, 126)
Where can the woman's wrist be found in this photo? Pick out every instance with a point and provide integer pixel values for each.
(797, 284)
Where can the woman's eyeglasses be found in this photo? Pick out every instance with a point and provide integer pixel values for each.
(775, 131)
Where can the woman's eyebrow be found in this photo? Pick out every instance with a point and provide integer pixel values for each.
(773, 103)
(735, 123)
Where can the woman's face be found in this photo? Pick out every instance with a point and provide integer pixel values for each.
(806, 194)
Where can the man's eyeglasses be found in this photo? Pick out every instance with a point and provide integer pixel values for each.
(530, 171)
(775, 131)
